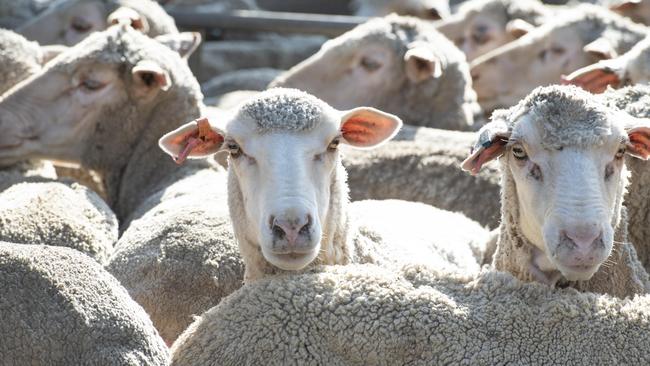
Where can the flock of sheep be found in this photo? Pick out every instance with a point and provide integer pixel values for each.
(423, 189)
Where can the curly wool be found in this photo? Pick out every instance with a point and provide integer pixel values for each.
(365, 315)
(59, 307)
(568, 116)
(284, 110)
(63, 214)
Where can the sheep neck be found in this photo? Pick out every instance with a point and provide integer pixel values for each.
(138, 167)
(516, 254)
(336, 246)
(638, 205)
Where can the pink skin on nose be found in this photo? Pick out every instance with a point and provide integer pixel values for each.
(291, 229)
(583, 237)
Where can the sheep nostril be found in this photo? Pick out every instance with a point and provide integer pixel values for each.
(278, 232)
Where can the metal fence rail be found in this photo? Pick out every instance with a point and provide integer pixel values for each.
(267, 21)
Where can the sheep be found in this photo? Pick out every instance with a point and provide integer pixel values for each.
(250, 79)
(479, 26)
(628, 69)
(576, 38)
(299, 217)
(60, 214)
(127, 80)
(424, 167)
(61, 308)
(363, 314)
(425, 9)
(69, 21)
(563, 180)
(399, 64)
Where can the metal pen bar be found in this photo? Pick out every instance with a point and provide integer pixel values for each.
(267, 21)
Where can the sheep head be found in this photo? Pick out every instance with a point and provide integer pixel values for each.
(283, 166)
(563, 152)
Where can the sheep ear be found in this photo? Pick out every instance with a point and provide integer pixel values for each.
(366, 127)
(194, 140)
(184, 43)
(518, 27)
(422, 63)
(125, 15)
(639, 133)
(149, 78)
(601, 48)
(627, 5)
(51, 51)
(597, 77)
(490, 145)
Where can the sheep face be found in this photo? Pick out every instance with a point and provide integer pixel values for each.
(69, 22)
(539, 58)
(476, 30)
(61, 112)
(564, 156)
(567, 198)
(368, 66)
(283, 167)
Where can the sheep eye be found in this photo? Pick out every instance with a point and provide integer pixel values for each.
(620, 153)
(480, 35)
(558, 50)
(433, 14)
(91, 85)
(519, 153)
(369, 64)
(333, 145)
(80, 25)
(233, 149)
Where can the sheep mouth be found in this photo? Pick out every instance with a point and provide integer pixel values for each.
(578, 272)
(293, 261)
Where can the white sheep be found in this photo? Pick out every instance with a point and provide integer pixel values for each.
(299, 217)
(398, 64)
(366, 315)
(34, 208)
(124, 79)
(69, 21)
(563, 180)
(575, 38)
(61, 308)
(479, 26)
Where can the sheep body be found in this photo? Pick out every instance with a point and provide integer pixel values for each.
(367, 315)
(69, 215)
(61, 308)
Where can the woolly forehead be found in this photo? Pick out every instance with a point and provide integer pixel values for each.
(556, 121)
(286, 111)
(395, 32)
(117, 45)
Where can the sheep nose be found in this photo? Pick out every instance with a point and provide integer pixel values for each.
(583, 237)
(290, 228)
